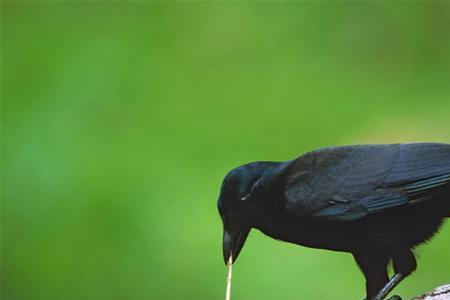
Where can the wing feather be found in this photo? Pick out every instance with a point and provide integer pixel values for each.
(367, 179)
(419, 161)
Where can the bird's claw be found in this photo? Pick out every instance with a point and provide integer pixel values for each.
(395, 297)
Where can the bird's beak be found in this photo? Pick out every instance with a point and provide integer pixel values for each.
(233, 241)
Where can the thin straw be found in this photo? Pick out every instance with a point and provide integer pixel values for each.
(229, 273)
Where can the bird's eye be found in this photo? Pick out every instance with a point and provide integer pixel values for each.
(245, 197)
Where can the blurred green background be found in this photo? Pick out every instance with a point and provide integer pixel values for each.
(120, 119)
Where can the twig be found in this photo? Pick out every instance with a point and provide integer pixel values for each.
(229, 273)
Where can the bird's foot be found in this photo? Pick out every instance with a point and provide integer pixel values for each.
(395, 297)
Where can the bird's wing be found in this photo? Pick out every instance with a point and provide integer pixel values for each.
(348, 183)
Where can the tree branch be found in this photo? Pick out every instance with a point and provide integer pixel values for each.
(439, 293)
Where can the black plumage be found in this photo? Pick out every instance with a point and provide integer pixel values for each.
(375, 201)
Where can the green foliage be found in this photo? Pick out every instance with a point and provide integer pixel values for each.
(120, 119)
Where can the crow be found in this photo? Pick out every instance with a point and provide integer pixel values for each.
(377, 202)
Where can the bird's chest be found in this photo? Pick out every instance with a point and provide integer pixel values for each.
(325, 235)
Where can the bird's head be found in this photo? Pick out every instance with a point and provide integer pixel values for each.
(236, 205)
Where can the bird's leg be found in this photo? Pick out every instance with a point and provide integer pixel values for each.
(404, 264)
(373, 264)
(388, 287)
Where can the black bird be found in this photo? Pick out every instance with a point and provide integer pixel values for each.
(376, 202)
